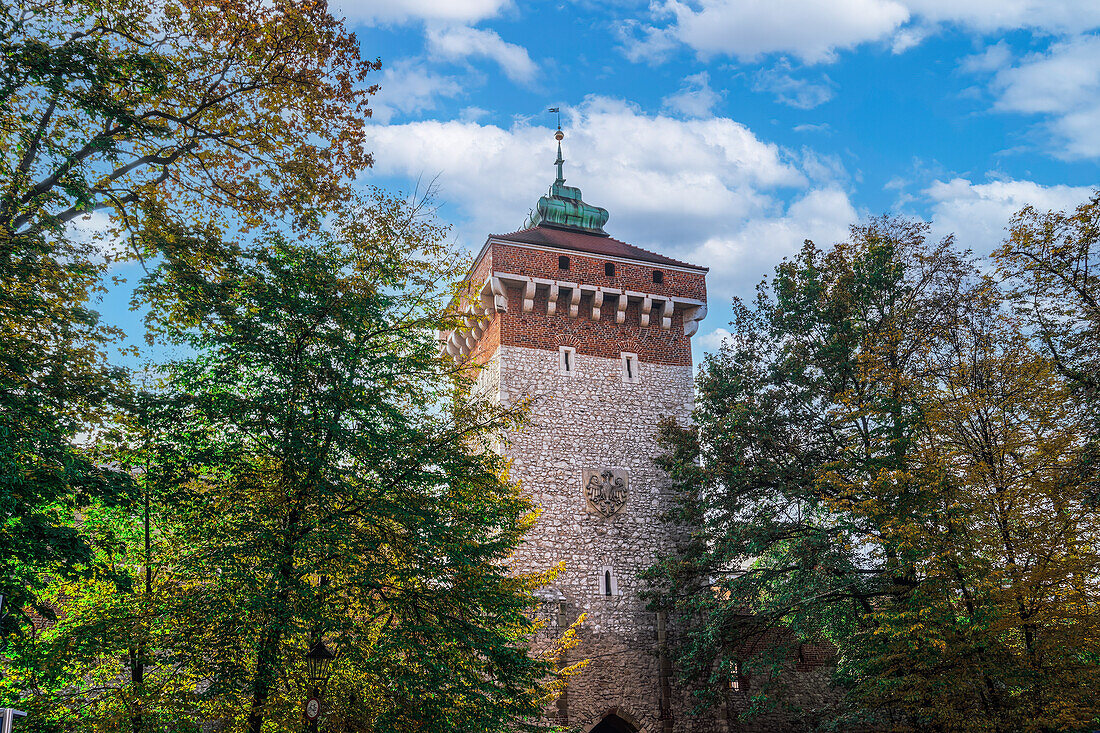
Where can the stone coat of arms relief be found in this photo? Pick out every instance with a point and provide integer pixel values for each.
(605, 490)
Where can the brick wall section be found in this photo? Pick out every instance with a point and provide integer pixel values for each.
(537, 330)
(482, 268)
(590, 269)
(605, 337)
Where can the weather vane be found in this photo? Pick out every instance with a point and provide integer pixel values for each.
(557, 111)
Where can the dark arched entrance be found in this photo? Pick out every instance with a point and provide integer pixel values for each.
(613, 724)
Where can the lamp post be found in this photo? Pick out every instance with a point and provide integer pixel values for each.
(318, 661)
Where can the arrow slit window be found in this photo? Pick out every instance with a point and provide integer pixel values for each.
(630, 367)
(606, 582)
(567, 357)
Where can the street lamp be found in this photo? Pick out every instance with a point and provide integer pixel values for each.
(318, 661)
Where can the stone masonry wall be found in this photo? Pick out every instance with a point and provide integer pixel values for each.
(592, 419)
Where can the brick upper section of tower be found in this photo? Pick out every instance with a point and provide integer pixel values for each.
(533, 267)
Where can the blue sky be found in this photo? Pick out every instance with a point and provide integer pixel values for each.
(725, 132)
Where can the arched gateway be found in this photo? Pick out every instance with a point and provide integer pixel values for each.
(598, 331)
(612, 723)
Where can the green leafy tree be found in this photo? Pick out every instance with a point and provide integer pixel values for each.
(241, 107)
(228, 112)
(881, 462)
(1050, 262)
(325, 483)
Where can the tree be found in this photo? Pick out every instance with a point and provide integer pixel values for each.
(881, 462)
(1050, 263)
(249, 108)
(325, 484)
(229, 112)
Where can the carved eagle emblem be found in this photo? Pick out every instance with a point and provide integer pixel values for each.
(605, 490)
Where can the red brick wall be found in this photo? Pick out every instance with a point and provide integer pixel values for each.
(589, 269)
(605, 337)
(489, 342)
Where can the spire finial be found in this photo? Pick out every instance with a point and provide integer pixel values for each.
(559, 135)
(562, 206)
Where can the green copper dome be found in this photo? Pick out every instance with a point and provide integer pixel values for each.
(562, 205)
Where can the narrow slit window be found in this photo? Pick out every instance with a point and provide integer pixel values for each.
(606, 582)
(630, 368)
(658, 277)
(609, 269)
(563, 263)
(567, 358)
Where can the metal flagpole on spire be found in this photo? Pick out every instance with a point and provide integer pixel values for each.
(558, 136)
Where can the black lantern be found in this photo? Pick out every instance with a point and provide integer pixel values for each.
(318, 660)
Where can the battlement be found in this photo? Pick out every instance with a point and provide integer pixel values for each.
(546, 287)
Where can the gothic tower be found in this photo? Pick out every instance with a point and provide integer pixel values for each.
(598, 332)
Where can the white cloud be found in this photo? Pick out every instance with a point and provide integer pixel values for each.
(473, 114)
(1064, 84)
(459, 42)
(742, 257)
(704, 190)
(409, 87)
(402, 11)
(814, 31)
(1055, 81)
(992, 58)
(986, 16)
(978, 213)
(908, 37)
(1079, 132)
(645, 42)
(695, 98)
(96, 229)
(712, 341)
(790, 90)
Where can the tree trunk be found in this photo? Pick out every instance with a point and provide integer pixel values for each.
(267, 656)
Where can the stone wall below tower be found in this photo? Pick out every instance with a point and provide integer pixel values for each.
(592, 419)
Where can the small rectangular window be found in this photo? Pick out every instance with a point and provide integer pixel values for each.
(658, 277)
(567, 357)
(630, 368)
(563, 263)
(609, 269)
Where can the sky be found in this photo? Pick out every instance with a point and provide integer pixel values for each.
(726, 132)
